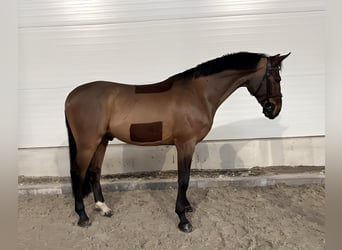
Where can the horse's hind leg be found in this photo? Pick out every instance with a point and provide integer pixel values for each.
(184, 155)
(95, 175)
(80, 184)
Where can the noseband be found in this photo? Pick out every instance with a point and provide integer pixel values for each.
(267, 75)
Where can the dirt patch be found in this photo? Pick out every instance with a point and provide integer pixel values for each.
(273, 217)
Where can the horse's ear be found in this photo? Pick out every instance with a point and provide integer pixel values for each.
(277, 59)
(281, 58)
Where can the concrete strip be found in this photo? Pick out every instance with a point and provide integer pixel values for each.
(196, 182)
(209, 155)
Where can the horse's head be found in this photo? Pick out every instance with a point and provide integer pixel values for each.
(265, 87)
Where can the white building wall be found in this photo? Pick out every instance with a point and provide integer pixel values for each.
(65, 43)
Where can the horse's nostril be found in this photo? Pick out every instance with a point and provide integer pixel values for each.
(268, 109)
(268, 106)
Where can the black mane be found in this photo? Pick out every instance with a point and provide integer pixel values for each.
(236, 61)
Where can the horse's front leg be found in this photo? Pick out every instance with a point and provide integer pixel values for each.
(184, 155)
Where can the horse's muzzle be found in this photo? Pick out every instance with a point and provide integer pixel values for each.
(268, 110)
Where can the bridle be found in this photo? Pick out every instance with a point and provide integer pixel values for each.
(267, 75)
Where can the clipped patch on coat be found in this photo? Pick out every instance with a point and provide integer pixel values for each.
(153, 88)
(146, 132)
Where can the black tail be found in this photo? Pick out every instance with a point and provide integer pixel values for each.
(74, 171)
(72, 144)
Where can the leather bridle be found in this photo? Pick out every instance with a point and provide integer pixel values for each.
(267, 75)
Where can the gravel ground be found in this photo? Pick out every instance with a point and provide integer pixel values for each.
(272, 217)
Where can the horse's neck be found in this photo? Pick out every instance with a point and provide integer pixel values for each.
(220, 86)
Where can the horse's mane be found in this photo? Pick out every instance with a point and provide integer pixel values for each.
(236, 61)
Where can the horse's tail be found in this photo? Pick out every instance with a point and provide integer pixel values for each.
(72, 145)
(74, 171)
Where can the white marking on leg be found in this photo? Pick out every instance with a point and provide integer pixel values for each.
(103, 208)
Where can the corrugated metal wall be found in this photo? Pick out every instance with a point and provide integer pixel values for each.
(64, 43)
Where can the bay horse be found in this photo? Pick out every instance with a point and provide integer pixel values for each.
(177, 111)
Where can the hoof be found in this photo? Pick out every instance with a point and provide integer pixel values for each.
(85, 223)
(108, 213)
(188, 209)
(186, 227)
(102, 207)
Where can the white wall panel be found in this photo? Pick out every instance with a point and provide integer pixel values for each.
(66, 43)
(40, 13)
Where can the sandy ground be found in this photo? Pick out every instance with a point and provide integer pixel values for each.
(273, 217)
